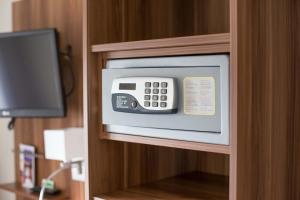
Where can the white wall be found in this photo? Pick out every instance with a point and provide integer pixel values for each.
(7, 165)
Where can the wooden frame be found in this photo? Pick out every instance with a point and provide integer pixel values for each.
(264, 88)
(218, 43)
(119, 152)
(162, 47)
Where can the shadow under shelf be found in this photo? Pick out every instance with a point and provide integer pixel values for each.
(195, 185)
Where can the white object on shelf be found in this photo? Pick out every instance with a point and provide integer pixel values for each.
(66, 145)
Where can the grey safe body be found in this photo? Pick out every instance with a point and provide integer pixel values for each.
(208, 125)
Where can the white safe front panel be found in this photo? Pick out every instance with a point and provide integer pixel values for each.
(195, 108)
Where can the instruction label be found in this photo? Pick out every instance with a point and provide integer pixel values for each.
(199, 96)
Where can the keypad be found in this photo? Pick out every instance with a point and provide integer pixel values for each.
(156, 94)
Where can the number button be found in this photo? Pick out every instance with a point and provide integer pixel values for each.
(154, 104)
(155, 91)
(147, 103)
(163, 98)
(147, 84)
(164, 91)
(147, 91)
(156, 84)
(147, 97)
(155, 97)
(164, 84)
(163, 104)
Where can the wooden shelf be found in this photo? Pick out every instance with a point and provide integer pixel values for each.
(205, 44)
(21, 192)
(194, 185)
(222, 38)
(197, 146)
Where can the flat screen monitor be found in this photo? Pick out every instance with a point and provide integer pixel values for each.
(30, 81)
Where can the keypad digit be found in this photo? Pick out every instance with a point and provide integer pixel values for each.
(148, 84)
(164, 91)
(147, 91)
(164, 84)
(163, 98)
(155, 91)
(156, 84)
(154, 104)
(163, 104)
(155, 97)
(147, 97)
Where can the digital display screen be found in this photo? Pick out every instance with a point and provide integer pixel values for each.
(127, 86)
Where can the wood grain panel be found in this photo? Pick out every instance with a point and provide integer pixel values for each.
(66, 17)
(106, 158)
(124, 20)
(222, 149)
(211, 16)
(263, 56)
(294, 151)
(213, 163)
(211, 39)
(234, 92)
(187, 186)
(174, 51)
(149, 163)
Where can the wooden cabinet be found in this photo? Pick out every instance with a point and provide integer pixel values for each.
(262, 38)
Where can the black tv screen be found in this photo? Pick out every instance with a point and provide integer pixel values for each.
(30, 84)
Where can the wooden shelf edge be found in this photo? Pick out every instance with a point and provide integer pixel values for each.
(170, 51)
(21, 192)
(197, 146)
(210, 39)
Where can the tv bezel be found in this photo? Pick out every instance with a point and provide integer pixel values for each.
(60, 111)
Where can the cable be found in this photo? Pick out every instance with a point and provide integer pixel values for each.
(11, 124)
(63, 166)
(68, 57)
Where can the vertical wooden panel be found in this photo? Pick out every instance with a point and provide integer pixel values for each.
(265, 98)
(66, 17)
(213, 163)
(294, 161)
(211, 16)
(150, 163)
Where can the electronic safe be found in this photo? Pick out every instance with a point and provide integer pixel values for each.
(181, 98)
